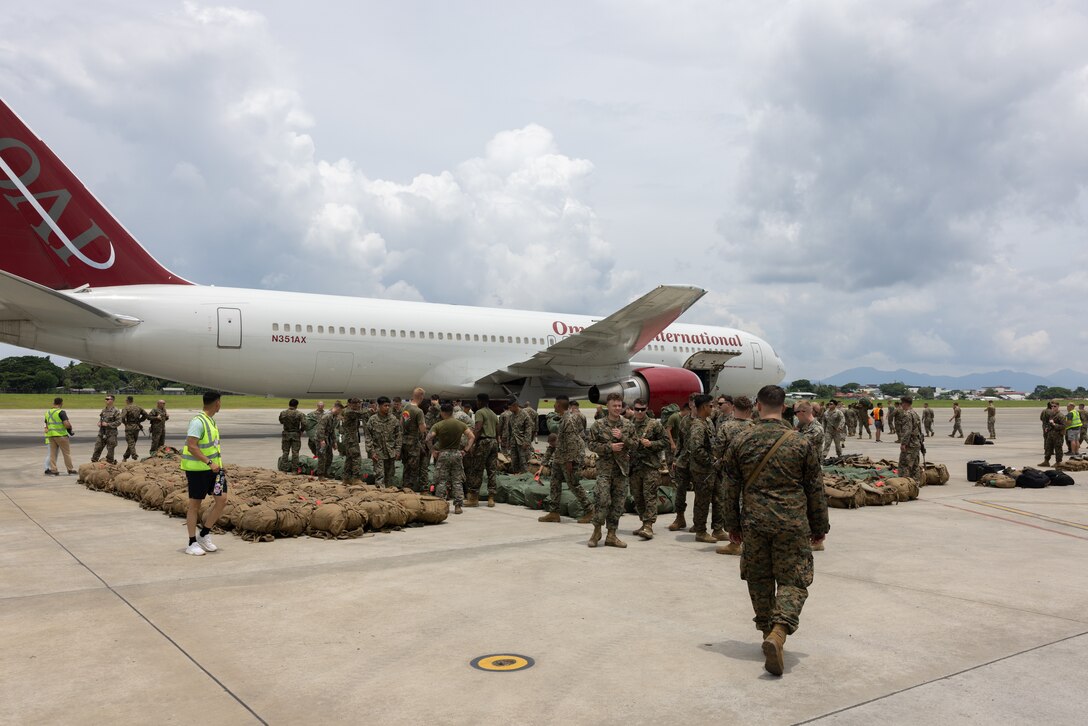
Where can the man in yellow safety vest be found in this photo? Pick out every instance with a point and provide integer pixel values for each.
(57, 430)
(202, 464)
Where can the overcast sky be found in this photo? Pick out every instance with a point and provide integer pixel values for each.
(895, 184)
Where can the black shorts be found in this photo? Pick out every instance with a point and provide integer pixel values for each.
(201, 483)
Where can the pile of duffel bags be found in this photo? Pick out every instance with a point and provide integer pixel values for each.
(985, 474)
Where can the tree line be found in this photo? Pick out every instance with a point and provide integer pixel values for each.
(38, 374)
(898, 388)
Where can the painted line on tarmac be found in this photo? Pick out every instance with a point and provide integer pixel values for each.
(1014, 521)
(136, 610)
(1013, 510)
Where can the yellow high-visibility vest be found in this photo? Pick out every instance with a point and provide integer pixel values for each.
(209, 446)
(53, 425)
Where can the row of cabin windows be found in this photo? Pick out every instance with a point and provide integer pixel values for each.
(412, 334)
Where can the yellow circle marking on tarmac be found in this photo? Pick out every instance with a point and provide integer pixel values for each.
(502, 662)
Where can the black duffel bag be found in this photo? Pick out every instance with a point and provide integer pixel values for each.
(1059, 478)
(1033, 479)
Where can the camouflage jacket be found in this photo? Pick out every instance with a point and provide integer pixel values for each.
(549, 456)
(463, 417)
(1053, 423)
(648, 457)
(787, 496)
(349, 427)
(293, 422)
(601, 440)
(683, 427)
(726, 433)
(583, 426)
(110, 416)
(570, 445)
(132, 416)
(313, 420)
(700, 444)
(851, 416)
(834, 422)
(326, 429)
(383, 436)
(991, 412)
(522, 428)
(157, 418)
(814, 432)
(927, 415)
(434, 415)
(910, 429)
(503, 429)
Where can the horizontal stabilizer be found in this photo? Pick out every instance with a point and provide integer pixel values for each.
(25, 300)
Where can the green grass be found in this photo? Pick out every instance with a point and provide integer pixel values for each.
(982, 404)
(95, 401)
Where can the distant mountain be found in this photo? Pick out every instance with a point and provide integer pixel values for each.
(1015, 380)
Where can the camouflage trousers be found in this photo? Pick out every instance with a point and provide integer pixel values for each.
(353, 461)
(132, 435)
(106, 440)
(704, 482)
(611, 495)
(928, 426)
(910, 463)
(1052, 443)
(681, 479)
(519, 457)
(645, 482)
(324, 459)
(158, 438)
(449, 471)
(291, 444)
(313, 443)
(990, 428)
(574, 484)
(851, 428)
(409, 457)
(865, 425)
(484, 456)
(385, 472)
(778, 569)
(957, 428)
(836, 437)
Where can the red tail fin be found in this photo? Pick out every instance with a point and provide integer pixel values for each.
(52, 230)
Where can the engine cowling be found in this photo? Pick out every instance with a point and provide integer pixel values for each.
(657, 386)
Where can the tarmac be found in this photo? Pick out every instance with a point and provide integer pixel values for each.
(969, 605)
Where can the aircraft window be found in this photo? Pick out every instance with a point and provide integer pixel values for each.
(422, 335)
(411, 335)
(275, 327)
(440, 336)
(492, 338)
(430, 336)
(298, 328)
(458, 336)
(351, 329)
(519, 339)
(402, 333)
(309, 328)
(321, 328)
(477, 337)
(502, 339)
(383, 332)
(373, 333)
(342, 330)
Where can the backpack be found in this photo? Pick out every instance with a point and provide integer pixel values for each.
(847, 495)
(906, 487)
(878, 496)
(936, 474)
(1001, 481)
(976, 439)
(1033, 479)
(1059, 478)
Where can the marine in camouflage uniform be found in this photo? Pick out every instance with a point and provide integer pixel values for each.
(350, 420)
(157, 418)
(834, 422)
(646, 467)
(522, 433)
(740, 422)
(851, 417)
(450, 440)
(910, 443)
(383, 444)
(433, 414)
(678, 426)
(312, 419)
(927, 420)
(569, 448)
(991, 416)
(504, 440)
(863, 420)
(293, 422)
(1054, 423)
(413, 452)
(613, 468)
(485, 453)
(325, 436)
(777, 510)
(109, 418)
(583, 428)
(700, 450)
(132, 416)
(956, 425)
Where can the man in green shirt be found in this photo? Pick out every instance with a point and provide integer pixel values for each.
(444, 440)
(485, 453)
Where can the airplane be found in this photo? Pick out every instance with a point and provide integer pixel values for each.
(74, 282)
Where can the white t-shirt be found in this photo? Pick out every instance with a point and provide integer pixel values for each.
(196, 428)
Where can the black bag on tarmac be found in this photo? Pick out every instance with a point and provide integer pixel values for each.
(1059, 478)
(1033, 479)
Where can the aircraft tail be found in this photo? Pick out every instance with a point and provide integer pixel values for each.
(52, 230)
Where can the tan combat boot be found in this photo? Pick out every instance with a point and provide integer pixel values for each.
(491, 500)
(706, 537)
(473, 499)
(586, 518)
(457, 509)
(549, 517)
(818, 547)
(1046, 462)
(720, 534)
(596, 536)
(647, 531)
(678, 523)
(730, 549)
(613, 541)
(772, 650)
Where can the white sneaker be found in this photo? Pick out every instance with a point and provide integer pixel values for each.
(194, 549)
(206, 542)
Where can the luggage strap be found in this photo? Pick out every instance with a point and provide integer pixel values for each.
(767, 457)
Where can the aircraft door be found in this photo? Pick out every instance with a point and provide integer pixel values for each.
(230, 328)
(331, 372)
(757, 357)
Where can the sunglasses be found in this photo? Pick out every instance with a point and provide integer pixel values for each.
(639, 409)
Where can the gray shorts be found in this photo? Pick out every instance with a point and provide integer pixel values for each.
(1073, 434)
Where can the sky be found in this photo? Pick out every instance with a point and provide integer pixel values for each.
(894, 184)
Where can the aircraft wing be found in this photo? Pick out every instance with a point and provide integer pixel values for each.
(612, 340)
(21, 299)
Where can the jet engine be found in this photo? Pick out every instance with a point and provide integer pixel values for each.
(657, 386)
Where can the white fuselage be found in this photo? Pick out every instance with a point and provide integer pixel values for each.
(298, 344)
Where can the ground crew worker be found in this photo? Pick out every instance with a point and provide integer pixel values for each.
(522, 433)
(157, 418)
(485, 453)
(109, 418)
(444, 441)
(569, 448)
(350, 419)
(878, 419)
(956, 427)
(57, 430)
(700, 448)
(833, 428)
(132, 416)
(1054, 423)
(612, 439)
(911, 440)
(677, 430)
(1073, 430)
(325, 437)
(313, 418)
(294, 423)
(927, 419)
(413, 452)
(742, 419)
(991, 415)
(777, 472)
(383, 444)
(645, 478)
(202, 463)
